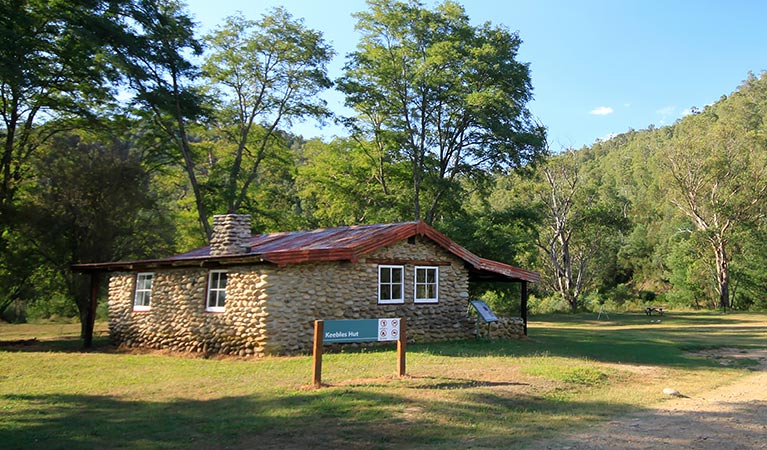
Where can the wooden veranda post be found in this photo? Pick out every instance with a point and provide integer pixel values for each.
(524, 306)
(91, 315)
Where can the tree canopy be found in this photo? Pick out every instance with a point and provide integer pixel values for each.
(123, 131)
(448, 97)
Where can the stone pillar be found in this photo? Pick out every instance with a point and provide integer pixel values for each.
(231, 235)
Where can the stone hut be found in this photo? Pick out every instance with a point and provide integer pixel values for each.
(260, 295)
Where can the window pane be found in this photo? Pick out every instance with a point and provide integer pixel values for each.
(431, 291)
(430, 275)
(396, 274)
(221, 298)
(420, 291)
(385, 292)
(143, 294)
(396, 291)
(385, 275)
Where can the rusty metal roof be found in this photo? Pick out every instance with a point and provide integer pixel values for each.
(348, 243)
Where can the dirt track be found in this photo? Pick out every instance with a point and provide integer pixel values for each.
(730, 417)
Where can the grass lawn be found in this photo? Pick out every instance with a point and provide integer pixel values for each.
(573, 370)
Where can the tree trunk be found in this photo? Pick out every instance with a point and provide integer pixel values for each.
(186, 151)
(5, 187)
(722, 272)
(86, 327)
(86, 299)
(416, 191)
(202, 213)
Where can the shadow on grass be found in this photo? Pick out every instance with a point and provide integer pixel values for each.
(63, 345)
(458, 383)
(332, 418)
(619, 341)
(640, 318)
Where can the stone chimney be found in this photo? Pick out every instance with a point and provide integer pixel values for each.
(231, 235)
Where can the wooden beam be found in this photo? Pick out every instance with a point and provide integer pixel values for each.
(402, 262)
(90, 319)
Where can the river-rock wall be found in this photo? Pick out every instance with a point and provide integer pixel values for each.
(271, 310)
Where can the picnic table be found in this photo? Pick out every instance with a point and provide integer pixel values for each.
(653, 309)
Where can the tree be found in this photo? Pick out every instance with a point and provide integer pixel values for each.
(52, 70)
(54, 76)
(152, 56)
(717, 167)
(579, 214)
(91, 202)
(448, 97)
(269, 73)
(338, 185)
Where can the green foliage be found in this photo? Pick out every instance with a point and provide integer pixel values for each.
(687, 275)
(91, 202)
(265, 74)
(547, 305)
(620, 294)
(448, 98)
(691, 200)
(55, 307)
(672, 215)
(341, 183)
(505, 301)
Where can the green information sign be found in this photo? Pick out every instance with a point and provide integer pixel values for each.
(367, 330)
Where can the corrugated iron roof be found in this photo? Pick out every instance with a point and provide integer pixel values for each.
(329, 244)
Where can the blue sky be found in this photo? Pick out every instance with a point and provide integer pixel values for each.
(597, 67)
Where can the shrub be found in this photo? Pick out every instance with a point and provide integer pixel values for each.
(58, 306)
(547, 305)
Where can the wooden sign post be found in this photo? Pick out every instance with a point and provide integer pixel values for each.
(317, 354)
(368, 330)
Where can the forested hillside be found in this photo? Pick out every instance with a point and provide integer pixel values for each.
(671, 216)
(124, 131)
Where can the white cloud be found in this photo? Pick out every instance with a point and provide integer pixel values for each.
(668, 114)
(666, 111)
(686, 112)
(601, 111)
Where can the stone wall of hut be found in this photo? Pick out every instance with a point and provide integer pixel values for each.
(177, 319)
(271, 310)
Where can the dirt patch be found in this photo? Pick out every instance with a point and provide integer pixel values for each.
(739, 357)
(729, 417)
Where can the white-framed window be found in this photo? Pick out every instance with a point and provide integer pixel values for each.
(142, 300)
(426, 286)
(216, 291)
(391, 286)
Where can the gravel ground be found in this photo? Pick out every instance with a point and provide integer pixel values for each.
(729, 417)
